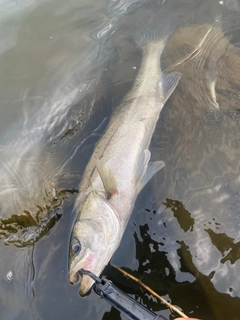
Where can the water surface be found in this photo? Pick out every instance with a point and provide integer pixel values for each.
(64, 69)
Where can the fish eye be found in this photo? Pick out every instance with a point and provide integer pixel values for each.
(76, 247)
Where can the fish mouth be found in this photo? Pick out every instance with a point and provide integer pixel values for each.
(75, 278)
(85, 285)
(85, 281)
(83, 263)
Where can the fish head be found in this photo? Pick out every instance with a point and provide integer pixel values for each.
(95, 236)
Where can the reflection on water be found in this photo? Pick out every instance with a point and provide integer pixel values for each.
(66, 66)
(14, 294)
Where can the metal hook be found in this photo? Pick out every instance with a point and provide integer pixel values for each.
(91, 275)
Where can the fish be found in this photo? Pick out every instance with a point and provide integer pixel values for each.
(120, 166)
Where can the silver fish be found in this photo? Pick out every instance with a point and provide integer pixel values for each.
(119, 167)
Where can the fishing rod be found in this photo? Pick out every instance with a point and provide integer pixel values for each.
(131, 308)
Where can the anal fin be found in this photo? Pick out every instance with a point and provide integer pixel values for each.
(147, 169)
(169, 83)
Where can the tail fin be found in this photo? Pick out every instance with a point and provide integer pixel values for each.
(159, 35)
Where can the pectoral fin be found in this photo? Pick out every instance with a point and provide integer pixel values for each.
(147, 169)
(108, 179)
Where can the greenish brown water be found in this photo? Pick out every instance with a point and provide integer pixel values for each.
(64, 68)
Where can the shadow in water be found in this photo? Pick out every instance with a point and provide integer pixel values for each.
(225, 244)
(112, 314)
(194, 293)
(27, 228)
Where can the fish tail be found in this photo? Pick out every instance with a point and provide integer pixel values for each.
(152, 42)
(156, 36)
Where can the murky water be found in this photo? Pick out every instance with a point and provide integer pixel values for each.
(64, 68)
